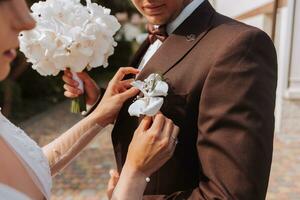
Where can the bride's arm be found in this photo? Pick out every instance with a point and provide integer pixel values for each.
(131, 185)
(66, 147)
(153, 144)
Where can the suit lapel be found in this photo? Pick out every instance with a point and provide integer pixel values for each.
(179, 43)
(140, 53)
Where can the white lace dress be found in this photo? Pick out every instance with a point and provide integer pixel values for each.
(31, 155)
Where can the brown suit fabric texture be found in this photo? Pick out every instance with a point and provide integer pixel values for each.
(222, 76)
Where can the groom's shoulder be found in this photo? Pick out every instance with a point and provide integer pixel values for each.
(230, 29)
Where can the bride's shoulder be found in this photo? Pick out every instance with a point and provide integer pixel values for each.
(7, 192)
(29, 152)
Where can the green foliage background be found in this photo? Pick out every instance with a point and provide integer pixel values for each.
(27, 94)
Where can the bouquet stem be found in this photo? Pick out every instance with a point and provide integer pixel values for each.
(78, 105)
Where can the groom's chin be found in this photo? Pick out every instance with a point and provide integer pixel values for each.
(157, 20)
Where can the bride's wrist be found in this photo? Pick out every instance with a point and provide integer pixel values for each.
(134, 174)
(98, 119)
(131, 185)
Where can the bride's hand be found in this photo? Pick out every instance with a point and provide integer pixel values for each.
(117, 92)
(153, 144)
(92, 91)
(112, 183)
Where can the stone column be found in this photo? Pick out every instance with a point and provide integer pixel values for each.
(288, 102)
(293, 91)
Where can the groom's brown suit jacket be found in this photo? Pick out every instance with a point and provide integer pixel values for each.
(222, 76)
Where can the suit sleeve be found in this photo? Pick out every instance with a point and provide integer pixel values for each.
(236, 121)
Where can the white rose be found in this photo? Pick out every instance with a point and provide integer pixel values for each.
(69, 35)
(154, 89)
(148, 106)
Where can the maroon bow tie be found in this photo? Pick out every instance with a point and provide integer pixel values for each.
(157, 33)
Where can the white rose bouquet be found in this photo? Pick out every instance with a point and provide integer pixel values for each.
(69, 35)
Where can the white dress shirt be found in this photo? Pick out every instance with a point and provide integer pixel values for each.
(171, 27)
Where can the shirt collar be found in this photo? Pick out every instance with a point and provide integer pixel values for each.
(185, 13)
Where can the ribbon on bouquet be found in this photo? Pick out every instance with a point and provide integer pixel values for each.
(78, 105)
(79, 81)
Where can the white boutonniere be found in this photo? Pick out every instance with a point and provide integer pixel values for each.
(154, 90)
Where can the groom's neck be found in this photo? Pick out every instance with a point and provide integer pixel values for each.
(185, 4)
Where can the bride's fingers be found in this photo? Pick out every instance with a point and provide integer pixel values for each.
(127, 83)
(176, 131)
(173, 140)
(73, 90)
(122, 89)
(144, 125)
(129, 93)
(168, 129)
(68, 73)
(122, 72)
(84, 76)
(70, 81)
(70, 95)
(113, 181)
